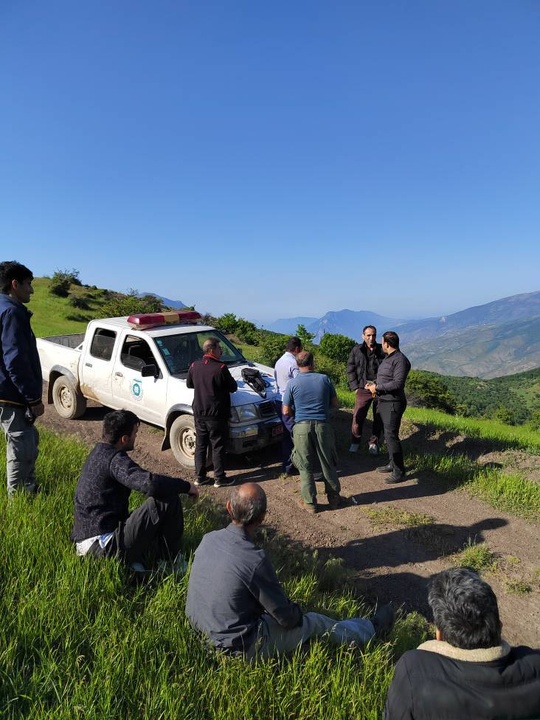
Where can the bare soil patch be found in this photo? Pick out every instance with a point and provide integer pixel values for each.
(390, 554)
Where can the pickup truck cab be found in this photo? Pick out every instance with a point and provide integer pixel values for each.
(140, 363)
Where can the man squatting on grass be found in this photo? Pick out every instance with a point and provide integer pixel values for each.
(468, 672)
(236, 600)
(21, 382)
(103, 526)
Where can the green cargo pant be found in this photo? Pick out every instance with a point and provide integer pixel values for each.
(312, 439)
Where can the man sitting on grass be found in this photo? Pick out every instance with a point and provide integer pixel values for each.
(103, 525)
(236, 600)
(468, 672)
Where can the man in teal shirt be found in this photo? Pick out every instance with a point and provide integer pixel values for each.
(309, 398)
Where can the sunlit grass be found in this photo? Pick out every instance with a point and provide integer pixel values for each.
(79, 640)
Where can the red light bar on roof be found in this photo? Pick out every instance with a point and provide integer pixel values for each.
(145, 321)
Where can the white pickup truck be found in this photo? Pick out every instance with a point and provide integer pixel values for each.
(140, 363)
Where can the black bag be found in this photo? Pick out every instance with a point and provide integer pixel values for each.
(254, 379)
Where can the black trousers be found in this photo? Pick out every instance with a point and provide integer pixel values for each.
(391, 413)
(213, 433)
(152, 532)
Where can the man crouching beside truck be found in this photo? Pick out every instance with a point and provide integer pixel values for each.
(103, 525)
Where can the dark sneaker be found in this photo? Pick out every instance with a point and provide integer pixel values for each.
(308, 507)
(202, 481)
(386, 468)
(337, 501)
(397, 476)
(383, 621)
(354, 447)
(224, 482)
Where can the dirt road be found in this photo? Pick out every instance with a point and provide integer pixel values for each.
(391, 537)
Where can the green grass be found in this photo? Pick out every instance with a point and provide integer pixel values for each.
(477, 556)
(391, 516)
(79, 640)
(509, 436)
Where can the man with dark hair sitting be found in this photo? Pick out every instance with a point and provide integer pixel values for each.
(103, 525)
(236, 600)
(468, 672)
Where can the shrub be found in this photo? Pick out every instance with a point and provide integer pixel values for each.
(120, 304)
(77, 301)
(337, 347)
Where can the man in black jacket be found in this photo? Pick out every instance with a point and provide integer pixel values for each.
(362, 366)
(213, 385)
(103, 525)
(390, 390)
(468, 672)
(20, 378)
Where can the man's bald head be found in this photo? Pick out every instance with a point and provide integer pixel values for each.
(304, 360)
(247, 504)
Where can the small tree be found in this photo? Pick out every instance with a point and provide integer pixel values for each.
(427, 389)
(305, 337)
(120, 304)
(337, 347)
(227, 323)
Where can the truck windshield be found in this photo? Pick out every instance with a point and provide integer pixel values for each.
(179, 351)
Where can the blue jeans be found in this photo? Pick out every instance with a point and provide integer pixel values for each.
(22, 440)
(314, 439)
(273, 639)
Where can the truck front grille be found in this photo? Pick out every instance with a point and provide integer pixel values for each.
(267, 409)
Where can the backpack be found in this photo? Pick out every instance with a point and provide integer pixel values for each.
(254, 379)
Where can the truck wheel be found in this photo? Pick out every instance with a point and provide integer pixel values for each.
(182, 439)
(68, 401)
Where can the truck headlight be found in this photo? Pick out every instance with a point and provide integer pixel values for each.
(244, 413)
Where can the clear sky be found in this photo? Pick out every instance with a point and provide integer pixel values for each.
(275, 159)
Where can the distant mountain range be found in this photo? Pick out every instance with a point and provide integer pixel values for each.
(492, 340)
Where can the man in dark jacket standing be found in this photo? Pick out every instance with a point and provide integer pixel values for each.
(103, 525)
(390, 389)
(362, 366)
(213, 385)
(20, 377)
(468, 672)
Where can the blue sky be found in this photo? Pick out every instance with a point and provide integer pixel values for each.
(275, 159)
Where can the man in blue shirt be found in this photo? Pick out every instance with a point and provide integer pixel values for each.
(309, 398)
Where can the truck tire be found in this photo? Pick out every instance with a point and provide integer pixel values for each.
(69, 403)
(182, 439)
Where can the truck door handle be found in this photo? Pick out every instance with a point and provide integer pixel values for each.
(88, 364)
(119, 374)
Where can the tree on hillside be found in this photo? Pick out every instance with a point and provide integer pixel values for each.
(427, 389)
(62, 280)
(337, 347)
(305, 336)
(120, 304)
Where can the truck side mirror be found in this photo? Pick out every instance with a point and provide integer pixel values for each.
(149, 371)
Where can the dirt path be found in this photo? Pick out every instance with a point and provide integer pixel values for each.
(392, 538)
